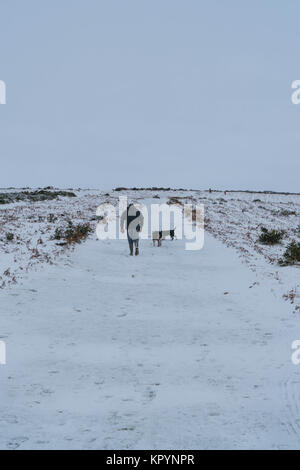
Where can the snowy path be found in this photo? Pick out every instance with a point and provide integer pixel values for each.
(109, 351)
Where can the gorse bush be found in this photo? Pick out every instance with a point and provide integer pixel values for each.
(58, 234)
(286, 213)
(270, 237)
(291, 254)
(51, 218)
(9, 236)
(72, 233)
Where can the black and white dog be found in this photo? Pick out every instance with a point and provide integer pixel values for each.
(159, 235)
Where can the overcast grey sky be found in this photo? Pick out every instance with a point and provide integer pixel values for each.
(187, 93)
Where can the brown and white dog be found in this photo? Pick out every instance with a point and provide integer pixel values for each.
(159, 235)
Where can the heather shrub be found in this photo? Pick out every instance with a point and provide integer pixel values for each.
(270, 237)
(72, 233)
(291, 254)
(9, 236)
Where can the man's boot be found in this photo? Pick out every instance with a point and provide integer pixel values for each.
(136, 251)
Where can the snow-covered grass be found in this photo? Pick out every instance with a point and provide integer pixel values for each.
(33, 226)
(235, 218)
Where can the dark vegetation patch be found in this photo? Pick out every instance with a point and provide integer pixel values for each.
(72, 233)
(9, 236)
(33, 196)
(153, 188)
(51, 218)
(286, 213)
(248, 191)
(174, 200)
(270, 237)
(291, 254)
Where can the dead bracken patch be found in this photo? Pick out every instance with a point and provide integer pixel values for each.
(72, 233)
(291, 295)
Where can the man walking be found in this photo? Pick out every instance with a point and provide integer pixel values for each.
(134, 220)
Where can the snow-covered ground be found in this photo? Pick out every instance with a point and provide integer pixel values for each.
(172, 349)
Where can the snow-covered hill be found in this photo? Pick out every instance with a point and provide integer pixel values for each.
(171, 349)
